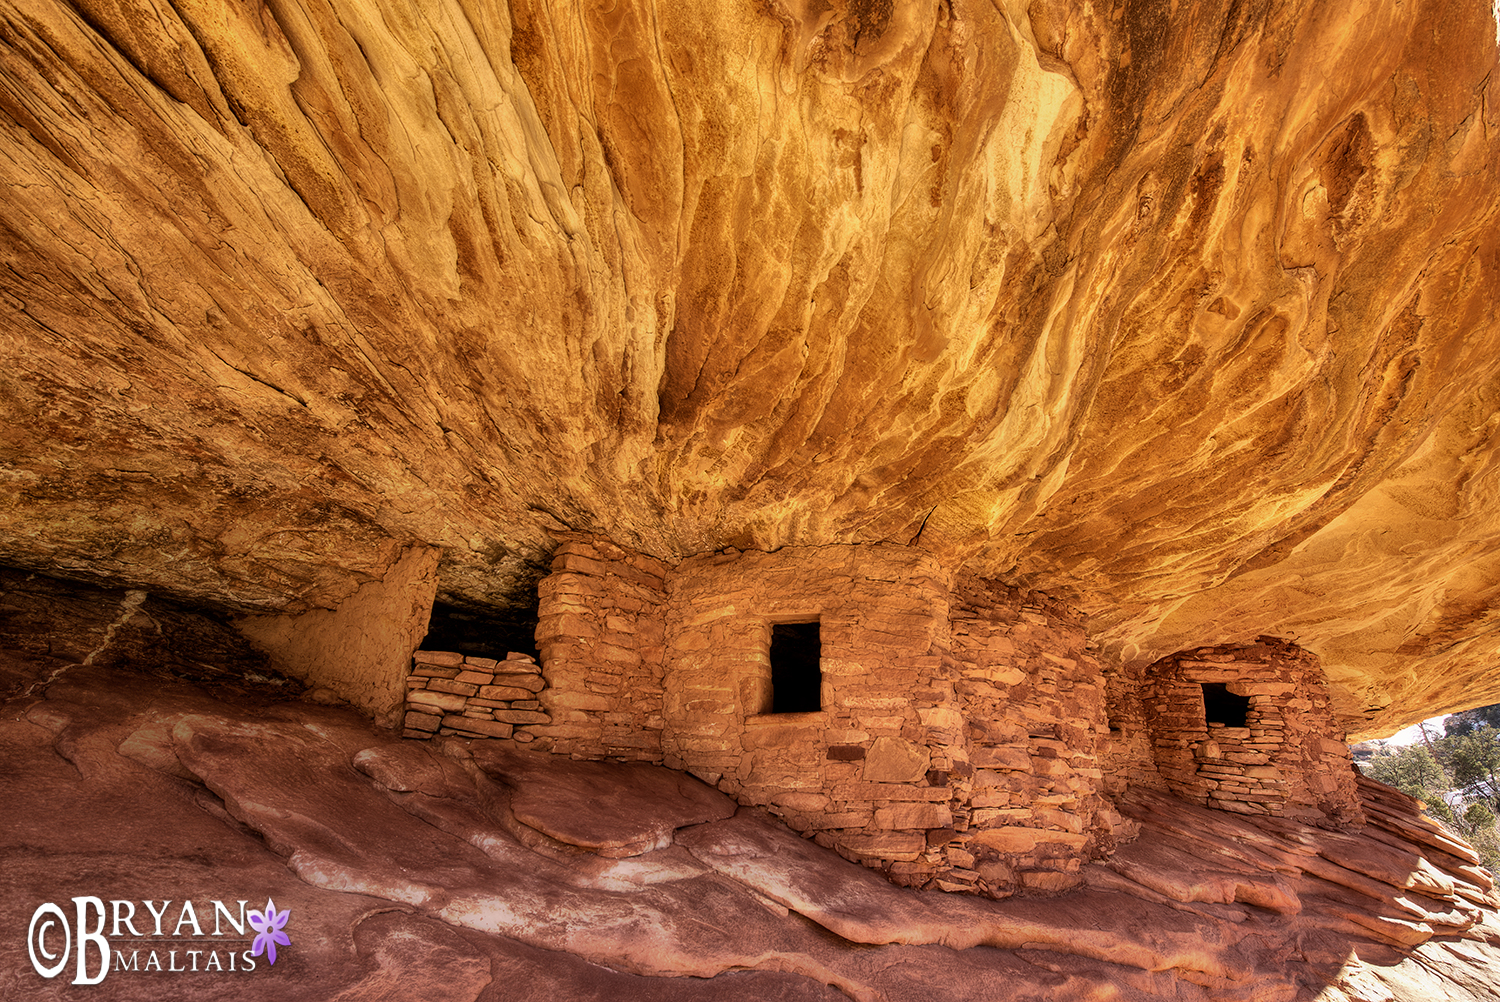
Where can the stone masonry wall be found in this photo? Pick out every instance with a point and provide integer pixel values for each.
(473, 697)
(864, 773)
(1128, 756)
(1032, 704)
(965, 737)
(956, 743)
(860, 772)
(1290, 759)
(601, 617)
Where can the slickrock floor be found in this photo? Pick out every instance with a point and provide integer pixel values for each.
(471, 871)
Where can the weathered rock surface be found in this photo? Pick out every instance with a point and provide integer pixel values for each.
(65, 623)
(1184, 313)
(408, 867)
(615, 810)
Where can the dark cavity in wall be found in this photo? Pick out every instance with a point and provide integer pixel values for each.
(796, 668)
(489, 633)
(1220, 706)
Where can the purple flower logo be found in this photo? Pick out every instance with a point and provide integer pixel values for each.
(268, 926)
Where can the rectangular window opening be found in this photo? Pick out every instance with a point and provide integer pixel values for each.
(1220, 706)
(796, 668)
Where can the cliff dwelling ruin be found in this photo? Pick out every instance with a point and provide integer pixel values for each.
(740, 499)
(946, 729)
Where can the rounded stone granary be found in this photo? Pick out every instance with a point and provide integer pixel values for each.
(946, 729)
(1249, 729)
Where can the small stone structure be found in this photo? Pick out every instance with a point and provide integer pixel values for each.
(946, 729)
(1248, 728)
(473, 697)
(957, 723)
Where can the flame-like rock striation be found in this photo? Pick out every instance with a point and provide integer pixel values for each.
(1183, 313)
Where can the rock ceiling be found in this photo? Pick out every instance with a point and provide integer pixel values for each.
(1186, 313)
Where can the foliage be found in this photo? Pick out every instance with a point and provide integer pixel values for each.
(1475, 756)
(1479, 816)
(1412, 770)
(1467, 721)
(1457, 775)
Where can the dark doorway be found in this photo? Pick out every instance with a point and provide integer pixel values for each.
(1220, 706)
(796, 669)
(486, 633)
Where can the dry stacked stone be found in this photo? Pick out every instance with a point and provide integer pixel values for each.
(1030, 809)
(1128, 756)
(954, 732)
(956, 738)
(1289, 758)
(473, 697)
(600, 633)
(867, 773)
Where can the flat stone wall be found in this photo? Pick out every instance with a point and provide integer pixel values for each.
(1128, 756)
(600, 634)
(1290, 758)
(473, 697)
(867, 773)
(957, 741)
(359, 651)
(1032, 703)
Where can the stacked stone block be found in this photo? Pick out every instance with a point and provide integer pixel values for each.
(957, 742)
(1032, 700)
(1128, 755)
(867, 774)
(473, 697)
(1290, 759)
(600, 634)
(967, 739)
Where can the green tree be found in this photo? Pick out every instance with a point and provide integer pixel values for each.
(1475, 757)
(1479, 816)
(1412, 770)
(1467, 754)
(1468, 721)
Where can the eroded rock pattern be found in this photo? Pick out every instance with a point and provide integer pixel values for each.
(1184, 313)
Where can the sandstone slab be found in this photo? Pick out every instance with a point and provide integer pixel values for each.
(617, 810)
(403, 864)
